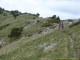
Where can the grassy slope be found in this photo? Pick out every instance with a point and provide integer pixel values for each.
(27, 50)
(18, 22)
(75, 34)
(24, 48)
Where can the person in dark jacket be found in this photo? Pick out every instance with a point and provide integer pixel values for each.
(62, 25)
(59, 25)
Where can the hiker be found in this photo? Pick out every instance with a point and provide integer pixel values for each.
(59, 25)
(62, 25)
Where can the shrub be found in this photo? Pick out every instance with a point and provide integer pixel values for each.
(53, 17)
(37, 14)
(1, 10)
(50, 21)
(53, 21)
(4, 14)
(38, 21)
(16, 32)
(56, 21)
(15, 13)
(0, 46)
(33, 17)
(46, 25)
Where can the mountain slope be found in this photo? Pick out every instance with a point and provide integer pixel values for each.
(37, 42)
(75, 34)
(37, 48)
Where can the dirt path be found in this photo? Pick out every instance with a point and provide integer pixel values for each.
(73, 53)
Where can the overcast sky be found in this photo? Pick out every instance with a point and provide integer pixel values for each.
(66, 9)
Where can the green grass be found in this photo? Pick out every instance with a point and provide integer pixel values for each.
(18, 22)
(33, 30)
(19, 18)
(24, 47)
(27, 50)
(75, 34)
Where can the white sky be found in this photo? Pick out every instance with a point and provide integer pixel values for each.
(64, 8)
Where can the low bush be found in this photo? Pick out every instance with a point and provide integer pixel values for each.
(53, 21)
(4, 14)
(46, 25)
(0, 46)
(16, 32)
(33, 17)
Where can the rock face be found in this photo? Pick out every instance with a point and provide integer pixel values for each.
(40, 46)
(46, 30)
(49, 46)
(1, 43)
(45, 46)
(30, 25)
(70, 23)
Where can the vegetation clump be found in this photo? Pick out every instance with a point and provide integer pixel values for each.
(33, 17)
(46, 25)
(15, 13)
(54, 19)
(1, 10)
(16, 32)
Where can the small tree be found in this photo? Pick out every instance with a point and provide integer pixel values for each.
(4, 14)
(58, 18)
(33, 17)
(1, 10)
(37, 14)
(15, 13)
(53, 17)
(16, 32)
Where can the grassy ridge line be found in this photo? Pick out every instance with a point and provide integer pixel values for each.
(6, 31)
(19, 18)
(15, 23)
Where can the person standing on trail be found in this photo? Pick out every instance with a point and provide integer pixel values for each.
(59, 25)
(62, 25)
